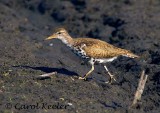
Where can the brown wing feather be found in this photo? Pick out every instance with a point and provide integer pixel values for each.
(99, 49)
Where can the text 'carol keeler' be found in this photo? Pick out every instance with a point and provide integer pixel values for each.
(20, 106)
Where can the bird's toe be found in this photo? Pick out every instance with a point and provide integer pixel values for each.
(82, 78)
(112, 78)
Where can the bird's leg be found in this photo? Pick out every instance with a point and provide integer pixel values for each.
(89, 72)
(111, 76)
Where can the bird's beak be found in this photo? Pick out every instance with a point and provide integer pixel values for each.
(51, 37)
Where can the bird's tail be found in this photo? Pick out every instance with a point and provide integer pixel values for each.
(131, 55)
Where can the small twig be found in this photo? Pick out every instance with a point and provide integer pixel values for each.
(140, 88)
(47, 75)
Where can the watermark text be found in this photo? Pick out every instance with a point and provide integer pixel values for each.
(20, 106)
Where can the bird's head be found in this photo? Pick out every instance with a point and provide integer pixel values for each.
(59, 33)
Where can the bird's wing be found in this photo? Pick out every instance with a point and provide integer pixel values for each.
(98, 49)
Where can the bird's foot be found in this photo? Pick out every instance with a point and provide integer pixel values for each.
(82, 78)
(112, 78)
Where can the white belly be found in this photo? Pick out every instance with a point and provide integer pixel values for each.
(105, 60)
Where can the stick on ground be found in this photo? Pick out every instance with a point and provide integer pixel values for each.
(140, 88)
(47, 75)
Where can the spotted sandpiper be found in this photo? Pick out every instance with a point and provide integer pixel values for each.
(92, 50)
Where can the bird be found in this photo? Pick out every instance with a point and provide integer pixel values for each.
(93, 51)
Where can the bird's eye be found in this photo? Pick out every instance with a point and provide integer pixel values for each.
(59, 33)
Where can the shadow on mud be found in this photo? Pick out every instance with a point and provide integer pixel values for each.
(49, 70)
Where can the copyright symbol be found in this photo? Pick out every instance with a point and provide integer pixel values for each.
(8, 106)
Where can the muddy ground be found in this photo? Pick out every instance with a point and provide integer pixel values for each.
(129, 24)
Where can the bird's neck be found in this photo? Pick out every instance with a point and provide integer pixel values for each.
(67, 40)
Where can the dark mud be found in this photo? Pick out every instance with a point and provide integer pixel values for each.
(129, 24)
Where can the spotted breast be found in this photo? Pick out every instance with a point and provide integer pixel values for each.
(79, 50)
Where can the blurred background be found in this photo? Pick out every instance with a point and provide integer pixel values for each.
(128, 24)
